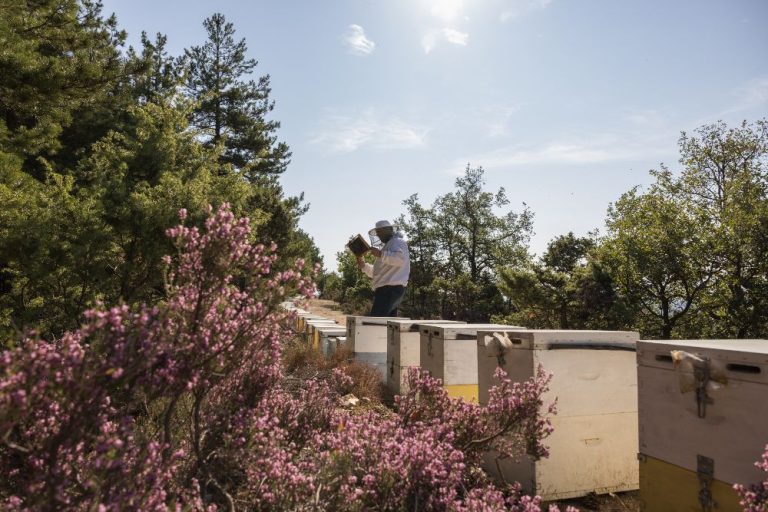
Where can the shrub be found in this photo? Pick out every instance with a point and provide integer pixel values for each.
(185, 404)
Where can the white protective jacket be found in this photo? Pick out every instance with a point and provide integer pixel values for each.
(394, 265)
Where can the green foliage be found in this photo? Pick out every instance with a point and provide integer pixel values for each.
(658, 257)
(725, 181)
(157, 74)
(233, 110)
(349, 286)
(97, 156)
(55, 57)
(566, 289)
(457, 248)
(99, 232)
(690, 254)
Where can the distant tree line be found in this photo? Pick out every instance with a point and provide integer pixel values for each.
(685, 257)
(100, 146)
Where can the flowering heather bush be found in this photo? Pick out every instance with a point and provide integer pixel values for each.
(183, 405)
(755, 498)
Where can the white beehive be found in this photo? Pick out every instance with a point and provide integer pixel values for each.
(311, 325)
(449, 353)
(594, 379)
(328, 338)
(367, 339)
(703, 415)
(403, 350)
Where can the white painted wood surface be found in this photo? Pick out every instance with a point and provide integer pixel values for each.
(594, 445)
(367, 338)
(403, 350)
(449, 352)
(734, 429)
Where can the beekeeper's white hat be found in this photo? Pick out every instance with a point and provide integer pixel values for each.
(380, 225)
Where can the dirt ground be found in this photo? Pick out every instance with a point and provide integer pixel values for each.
(328, 309)
(620, 502)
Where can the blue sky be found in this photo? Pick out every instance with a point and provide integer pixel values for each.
(566, 104)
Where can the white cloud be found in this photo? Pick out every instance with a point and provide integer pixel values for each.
(516, 8)
(431, 39)
(597, 149)
(554, 153)
(455, 37)
(345, 133)
(356, 41)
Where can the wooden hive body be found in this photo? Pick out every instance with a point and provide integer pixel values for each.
(711, 437)
(301, 321)
(311, 333)
(594, 444)
(330, 338)
(449, 353)
(403, 347)
(367, 338)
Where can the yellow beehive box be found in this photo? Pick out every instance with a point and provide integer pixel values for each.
(301, 321)
(665, 487)
(311, 326)
(367, 338)
(403, 350)
(594, 379)
(449, 353)
(703, 420)
(296, 317)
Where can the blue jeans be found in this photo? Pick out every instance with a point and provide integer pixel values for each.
(386, 299)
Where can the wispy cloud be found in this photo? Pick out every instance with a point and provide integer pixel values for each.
(356, 41)
(455, 37)
(752, 95)
(369, 129)
(432, 38)
(514, 9)
(597, 149)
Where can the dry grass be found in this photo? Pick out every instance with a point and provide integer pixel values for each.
(301, 361)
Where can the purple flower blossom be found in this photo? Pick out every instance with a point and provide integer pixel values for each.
(184, 405)
(755, 497)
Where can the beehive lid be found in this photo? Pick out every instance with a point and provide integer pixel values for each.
(403, 325)
(308, 316)
(372, 320)
(331, 329)
(462, 331)
(747, 346)
(737, 359)
(558, 339)
(321, 321)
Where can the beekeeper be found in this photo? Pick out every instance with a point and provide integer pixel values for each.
(389, 271)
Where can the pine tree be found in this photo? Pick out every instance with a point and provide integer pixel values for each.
(232, 109)
(57, 56)
(157, 74)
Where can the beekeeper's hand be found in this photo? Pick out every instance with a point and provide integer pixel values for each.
(376, 252)
(360, 260)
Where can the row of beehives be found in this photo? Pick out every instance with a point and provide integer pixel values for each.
(322, 333)
(681, 420)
